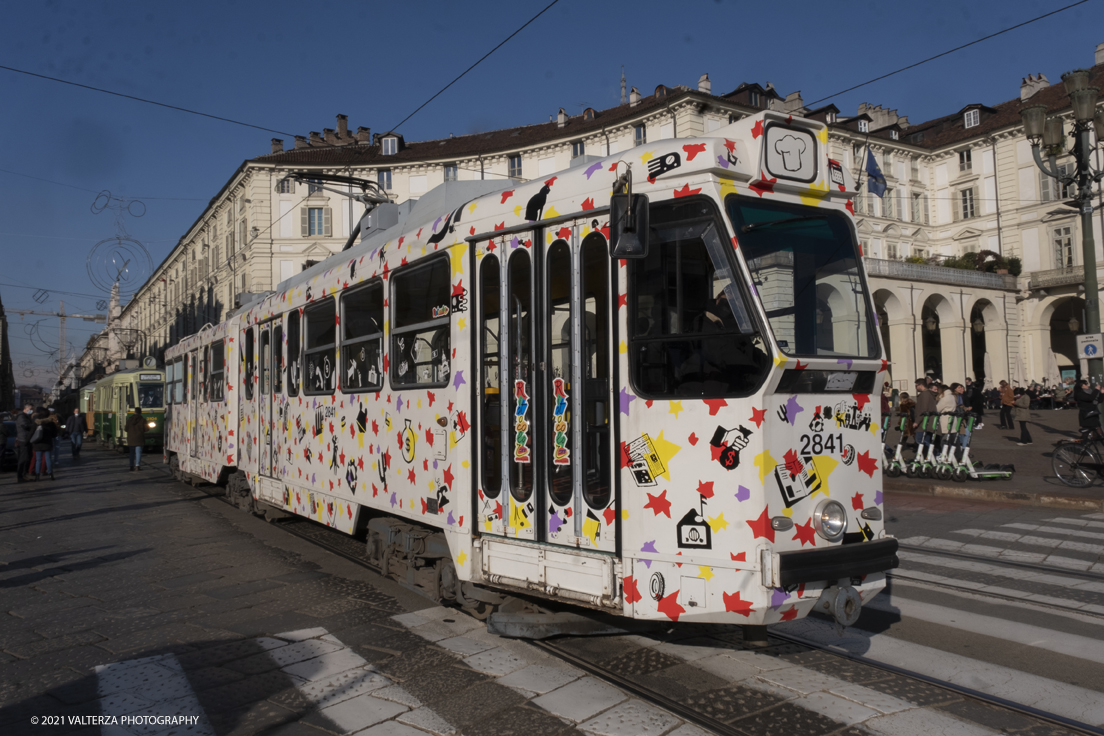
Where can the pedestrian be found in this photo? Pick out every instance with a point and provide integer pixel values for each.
(24, 429)
(1088, 408)
(977, 406)
(1007, 401)
(1022, 414)
(42, 442)
(136, 437)
(75, 428)
(925, 404)
(887, 404)
(904, 408)
(57, 435)
(946, 402)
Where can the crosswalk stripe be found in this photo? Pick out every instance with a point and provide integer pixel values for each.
(1032, 540)
(953, 563)
(1078, 522)
(1043, 693)
(1012, 555)
(1055, 530)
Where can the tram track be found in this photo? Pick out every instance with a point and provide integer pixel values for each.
(689, 714)
(1034, 567)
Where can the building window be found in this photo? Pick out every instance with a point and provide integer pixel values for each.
(640, 134)
(753, 98)
(917, 208)
(891, 252)
(887, 164)
(859, 203)
(287, 186)
(321, 343)
(390, 146)
(966, 209)
(973, 117)
(514, 167)
(451, 172)
(317, 221)
(887, 203)
(383, 178)
(1051, 190)
(914, 169)
(1063, 247)
(830, 118)
(578, 148)
(965, 161)
(864, 126)
(420, 309)
(313, 187)
(894, 134)
(362, 338)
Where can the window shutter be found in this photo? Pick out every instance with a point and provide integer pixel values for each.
(326, 220)
(304, 221)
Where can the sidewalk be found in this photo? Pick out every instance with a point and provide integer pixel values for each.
(1034, 483)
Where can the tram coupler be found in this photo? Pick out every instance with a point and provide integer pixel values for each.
(842, 603)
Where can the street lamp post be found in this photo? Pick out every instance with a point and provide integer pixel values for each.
(1038, 126)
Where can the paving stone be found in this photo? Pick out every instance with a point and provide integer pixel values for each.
(689, 729)
(477, 704)
(221, 653)
(186, 581)
(414, 661)
(521, 720)
(396, 640)
(682, 679)
(631, 718)
(355, 714)
(255, 688)
(239, 590)
(641, 662)
(799, 679)
(336, 688)
(595, 648)
(399, 695)
(787, 718)
(838, 709)
(464, 645)
(326, 666)
(850, 671)
(58, 643)
(540, 679)
(913, 691)
(986, 715)
(427, 720)
(580, 700)
(870, 698)
(251, 720)
(206, 678)
(730, 703)
(496, 662)
(392, 728)
(431, 684)
(923, 723)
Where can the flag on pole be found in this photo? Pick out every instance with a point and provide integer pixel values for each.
(876, 183)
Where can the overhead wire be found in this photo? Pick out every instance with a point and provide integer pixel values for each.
(98, 191)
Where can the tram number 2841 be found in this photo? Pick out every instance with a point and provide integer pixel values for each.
(819, 444)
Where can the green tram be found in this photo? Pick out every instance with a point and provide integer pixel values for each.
(115, 397)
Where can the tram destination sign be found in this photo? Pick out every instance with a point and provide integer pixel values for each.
(149, 376)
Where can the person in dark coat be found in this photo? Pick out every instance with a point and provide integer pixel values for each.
(24, 428)
(1021, 414)
(1088, 407)
(136, 437)
(43, 444)
(75, 428)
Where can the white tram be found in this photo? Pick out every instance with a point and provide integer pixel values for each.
(500, 405)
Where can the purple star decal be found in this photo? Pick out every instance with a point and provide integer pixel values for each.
(647, 564)
(877, 498)
(450, 520)
(793, 409)
(514, 242)
(458, 380)
(394, 499)
(398, 404)
(436, 223)
(554, 523)
(778, 597)
(845, 361)
(722, 161)
(743, 493)
(649, 547)
(626, 399)
(592, 168)
(313, 476)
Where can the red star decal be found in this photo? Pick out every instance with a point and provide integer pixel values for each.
(763, 186)
(450, 407)
(563, 232)
(551, 181)
(801, 366)
(705, 489)
(425, 465)
(387, 459)
(360, 463)
(490, 244)
(609, 514)
(735, 604)
(429, 436)
(742, 557)
(506, 195)
(757, 416)
(449, 477)
(867, 464)
(730, 145)
(857, 502)
(401, 239)
(715, 452)
(352, 431)
(761, 527)
(693, 439)
(500, 226)
(850, 207)
(411, 477)
(622, 300)
(885, 366)
(660, 505)
(693, 150)
(375, 427)
(805, 533)
(790, 614)
(715, 405)
(686, 191)
(471, 231)
(458, 290)
(757, 129)
(423, 505)
(588, 204)
(432, 397)
(670, 608)
(632, 592)
(342, 457)
(861, 399)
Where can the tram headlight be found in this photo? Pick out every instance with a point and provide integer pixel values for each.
(831, 520)
(151, 424)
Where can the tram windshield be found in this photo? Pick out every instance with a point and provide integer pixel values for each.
(151, 395)
(805, 268)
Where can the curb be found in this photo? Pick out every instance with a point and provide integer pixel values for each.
(1050, 500)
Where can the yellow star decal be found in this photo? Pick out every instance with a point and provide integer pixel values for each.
(462, 323)
(704, 571)
(517, 211)
(456, 254)
(666, 451)
(461, 558)
(676, 407)
(622, 348)
(728, 186)
(766, 463)
(550, 212)
(717, 523)
(780, 361)
(472, 207)
(647, 156)
(824, 466)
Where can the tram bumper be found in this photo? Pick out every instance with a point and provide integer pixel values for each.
(833, 563)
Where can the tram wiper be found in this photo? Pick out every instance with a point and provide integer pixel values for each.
(772, 223)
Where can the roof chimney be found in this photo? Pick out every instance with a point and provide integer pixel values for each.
(1099, 58)
(277, 145)
(1032, 84)
(704, 85)
(315, 139)
(301, 142)
(561, 118)
(625, 99)
(328, 133)
(364, 135)
(342, 126)
(634, 97)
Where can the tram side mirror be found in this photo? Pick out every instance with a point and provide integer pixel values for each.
(628, 226)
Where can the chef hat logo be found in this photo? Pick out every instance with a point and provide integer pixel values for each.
(790, 148)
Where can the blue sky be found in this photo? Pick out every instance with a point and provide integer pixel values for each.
(294, 66)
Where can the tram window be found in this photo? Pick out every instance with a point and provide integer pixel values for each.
(130, 395)
(519, 306)
(490, 303)
(294, 359)
(596, 377)
(692, 334)
(204, 374)
(421, 301)
(266, 362)
(321, 345)
(249, 355)
(189, 371)
(362, 338)
(218, 372)
(170, 378)
(805, 265)
(561, 386)
(278, 359)
(179, 381)
(151, 395)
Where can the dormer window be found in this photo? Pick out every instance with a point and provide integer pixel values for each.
(972, 118)
(864, 126)
(390, 146)
(578, 148)
(831, 118)
(753, 98)
(893, 134)
(588, 114)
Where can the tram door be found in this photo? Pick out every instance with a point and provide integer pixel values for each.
(545, 432)
(193, 408)
(264, 399)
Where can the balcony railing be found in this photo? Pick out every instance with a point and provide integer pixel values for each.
(938, 274)
(1058, 277)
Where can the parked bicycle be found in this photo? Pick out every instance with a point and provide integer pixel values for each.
(1077, 463)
